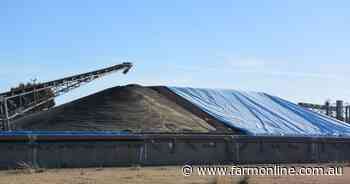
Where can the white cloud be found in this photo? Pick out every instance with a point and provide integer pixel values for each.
(280, 69)
(245, 63)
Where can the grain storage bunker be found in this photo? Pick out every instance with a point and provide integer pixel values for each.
(160, 125)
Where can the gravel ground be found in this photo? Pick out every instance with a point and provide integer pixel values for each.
(151, 175)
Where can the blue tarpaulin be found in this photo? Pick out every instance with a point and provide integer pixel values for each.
(262, 114)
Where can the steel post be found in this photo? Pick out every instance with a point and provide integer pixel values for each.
(348, 114)
(327, 107)
(340, 110)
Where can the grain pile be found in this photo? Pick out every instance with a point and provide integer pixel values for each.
(133, 108)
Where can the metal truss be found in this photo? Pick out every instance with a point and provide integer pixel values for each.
(336, 110)
(26, 98)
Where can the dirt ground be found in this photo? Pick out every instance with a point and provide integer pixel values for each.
(151, 175)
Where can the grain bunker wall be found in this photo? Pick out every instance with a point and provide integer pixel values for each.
(122, 150)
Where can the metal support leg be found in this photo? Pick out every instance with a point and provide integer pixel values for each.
(6, 120)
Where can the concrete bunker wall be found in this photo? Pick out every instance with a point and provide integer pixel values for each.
(173, 151)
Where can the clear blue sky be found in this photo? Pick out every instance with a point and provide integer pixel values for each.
(299, 50)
